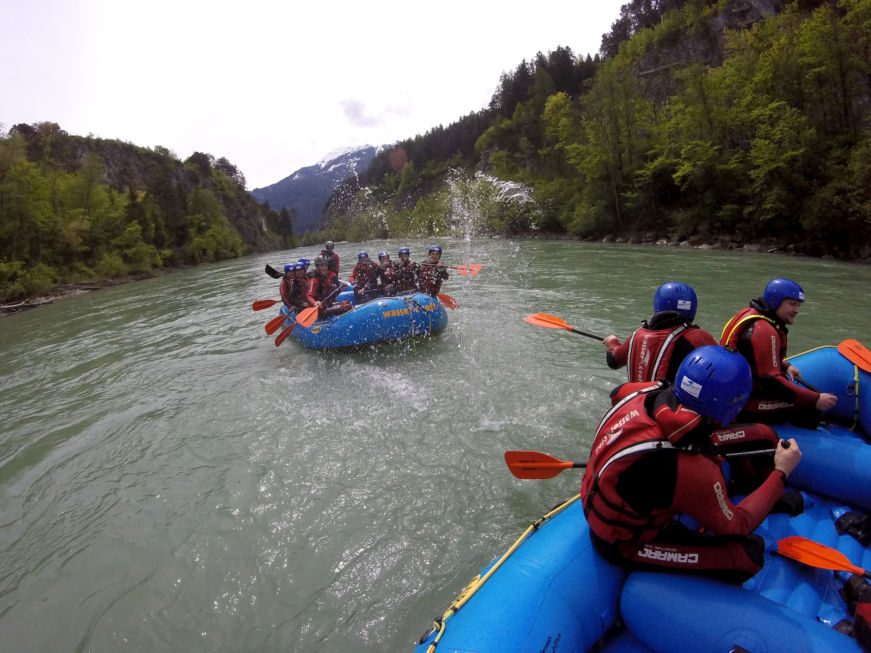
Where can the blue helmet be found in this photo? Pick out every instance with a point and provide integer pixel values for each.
(362, 255)
(288, 267)
(382, 255)
(779, 289)
(304, 261)
(436, 248)
(404, 250)
(298, 266)
(714, 382)
(678, 297)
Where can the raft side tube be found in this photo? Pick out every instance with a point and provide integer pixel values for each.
(669, 612)
(553, 593)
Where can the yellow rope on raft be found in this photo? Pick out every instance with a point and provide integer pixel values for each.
(476, 583)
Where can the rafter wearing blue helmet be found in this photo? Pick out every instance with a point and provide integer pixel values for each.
(644, 471)
(657, 347)
(404, 277)
(759, 333)
(432, 273)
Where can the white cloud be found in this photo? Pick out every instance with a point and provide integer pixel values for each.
(272, 86)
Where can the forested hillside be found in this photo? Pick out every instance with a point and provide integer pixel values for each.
(723, 121)
(74, 209)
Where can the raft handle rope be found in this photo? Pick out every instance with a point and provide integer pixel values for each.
(469, 590)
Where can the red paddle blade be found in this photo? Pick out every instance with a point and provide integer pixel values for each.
(448, 301)
(308, 316)
(472, 269)
(816, 555)
(545, 320)
(275, 324)
(855, 352)
(534, 464)
(281, 337)
(260, 304)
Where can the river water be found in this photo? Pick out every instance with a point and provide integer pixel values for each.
(170, 480)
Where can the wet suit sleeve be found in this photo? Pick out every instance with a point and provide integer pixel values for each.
(618, 354)
(700, 492)
(773, 382)
(312, 290)
(284, 289)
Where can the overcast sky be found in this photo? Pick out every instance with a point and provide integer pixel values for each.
(273, 86)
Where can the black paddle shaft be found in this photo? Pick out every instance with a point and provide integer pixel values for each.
(589, 335)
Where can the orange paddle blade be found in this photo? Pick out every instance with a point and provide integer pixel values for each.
(545, 320)
(281, 337)
(534, 464)
(308, 317)
(260, 304)
(855, 352)
(448, 301)
(816, 555)
(275, 324)
(472, 269)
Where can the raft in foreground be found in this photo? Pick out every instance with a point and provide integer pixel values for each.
(384, 319)
(552, 592)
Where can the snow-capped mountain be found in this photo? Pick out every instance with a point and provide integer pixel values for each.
(307, 190)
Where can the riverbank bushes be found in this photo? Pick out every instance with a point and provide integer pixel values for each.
(76, 209)
(708, 121)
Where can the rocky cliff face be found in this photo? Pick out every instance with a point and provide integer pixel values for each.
(307, 190)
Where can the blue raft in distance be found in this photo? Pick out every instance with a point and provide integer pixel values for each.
(383, 319)
(552, 592)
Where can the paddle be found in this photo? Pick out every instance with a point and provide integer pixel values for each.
(552, 322)
(260, 304)
(274, 324)
(448, 301)
(306, 317)
(472, 269)
(814, 554)
(537, 465)
(855, 352)
(272, 272)
(534, 464)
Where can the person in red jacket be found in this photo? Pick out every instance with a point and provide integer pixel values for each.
(365, 278)
(759, 333)
(330, 256)
(431, 274)
(294, 287)
(648, 465)
(656, 349)
(322, 288)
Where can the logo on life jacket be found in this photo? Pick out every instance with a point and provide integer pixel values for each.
(774, 360)
(731, 435)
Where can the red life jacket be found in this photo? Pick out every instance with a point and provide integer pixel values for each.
(430, 277)
(364, 275)
(745, 318)
(319, 287)
(293, 292)
(650, 352)
(625, 433)
(405, 275)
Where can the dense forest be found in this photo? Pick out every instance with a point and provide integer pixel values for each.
(715, 121)
(74, 209)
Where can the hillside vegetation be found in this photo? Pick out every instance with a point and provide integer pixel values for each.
(727, 120)
(74, 209)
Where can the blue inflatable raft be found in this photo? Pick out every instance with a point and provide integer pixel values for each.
(383, 319)
(551, 592)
